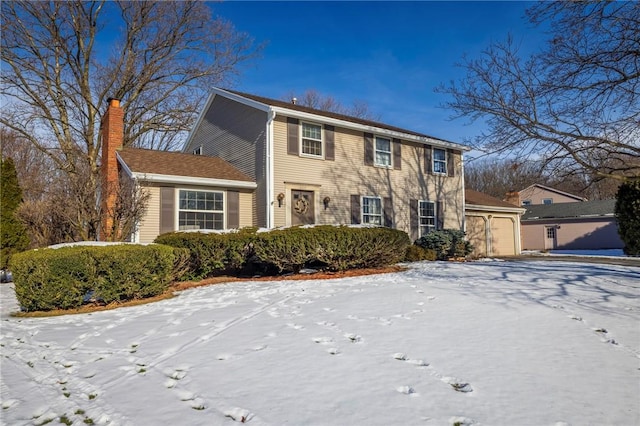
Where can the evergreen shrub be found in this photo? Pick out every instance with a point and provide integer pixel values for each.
(446, 243)
(332, 248)
(13, 234)
(212, 254)
(627, 211)
(67, 277)
(325, 247)
(416, 253)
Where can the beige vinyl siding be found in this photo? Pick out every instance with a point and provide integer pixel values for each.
(349, 175)
(477, 234)
(149, 226)
(246, 209)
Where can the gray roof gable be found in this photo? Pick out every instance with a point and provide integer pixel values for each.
(584, 209)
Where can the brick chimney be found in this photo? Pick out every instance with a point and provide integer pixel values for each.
(513, 197)
(112, 140)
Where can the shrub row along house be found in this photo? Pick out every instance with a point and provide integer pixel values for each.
(253, 161)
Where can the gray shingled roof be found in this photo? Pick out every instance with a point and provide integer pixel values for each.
(570, 210)
(289, 105)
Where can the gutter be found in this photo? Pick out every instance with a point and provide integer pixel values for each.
(271, 115)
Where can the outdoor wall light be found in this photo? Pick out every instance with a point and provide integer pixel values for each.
(280, 199)
(326, 202)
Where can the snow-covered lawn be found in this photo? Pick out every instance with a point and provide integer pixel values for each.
(490, 343)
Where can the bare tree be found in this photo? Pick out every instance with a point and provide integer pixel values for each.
(497, 177)
(62, 60)
(574, 106)
(313, 99)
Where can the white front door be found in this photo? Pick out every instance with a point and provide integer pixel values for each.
(551, 237)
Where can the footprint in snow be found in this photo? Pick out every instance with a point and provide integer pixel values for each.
(295, 326)
(461, 421)
(353, 338)
(323, 340)
(458, 385)
(603, 332)
(238, 414)
(407, 390)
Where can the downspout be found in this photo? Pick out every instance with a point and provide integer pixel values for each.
(464, 200)
(271, 115)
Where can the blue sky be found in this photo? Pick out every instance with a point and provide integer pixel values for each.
(390, 55)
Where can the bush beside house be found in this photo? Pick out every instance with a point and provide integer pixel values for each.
(446, 243)
(331, 248)
(67, 277)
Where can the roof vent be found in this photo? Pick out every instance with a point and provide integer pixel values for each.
(294, 100)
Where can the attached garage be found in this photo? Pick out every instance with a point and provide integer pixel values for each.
(492, 225)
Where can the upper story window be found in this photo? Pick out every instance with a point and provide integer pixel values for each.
(372, 210)
(382, 152)
(526, 203)
(311, 139)
(427, 216)
(547, 201)
(439, 160)
(200, 210)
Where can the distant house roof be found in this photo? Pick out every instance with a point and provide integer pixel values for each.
(167, 166)
(341, 119)
(586, 209)
(481, 200)
(557, 191)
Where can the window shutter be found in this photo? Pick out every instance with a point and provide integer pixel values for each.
(329, 146)
(451, 170)
(233, 210)
(355, 209)
(293, 143)
(414, 220)
(167, 209)
(439, 215)
(387, 211)
(397, 154)
(368, 149)
(428, 164)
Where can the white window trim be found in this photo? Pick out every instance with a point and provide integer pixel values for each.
(549, 203)
(375, 151)
(435, 216)
(176, 224)
(433, 161)
(362, 215)
(322, 142)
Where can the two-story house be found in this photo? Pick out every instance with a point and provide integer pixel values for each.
(253, 161)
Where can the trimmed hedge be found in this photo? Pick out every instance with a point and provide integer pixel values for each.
(212, 254)
(446, 243)
(416, 253)
(67, 277)
(330, 248)
(326, 247)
